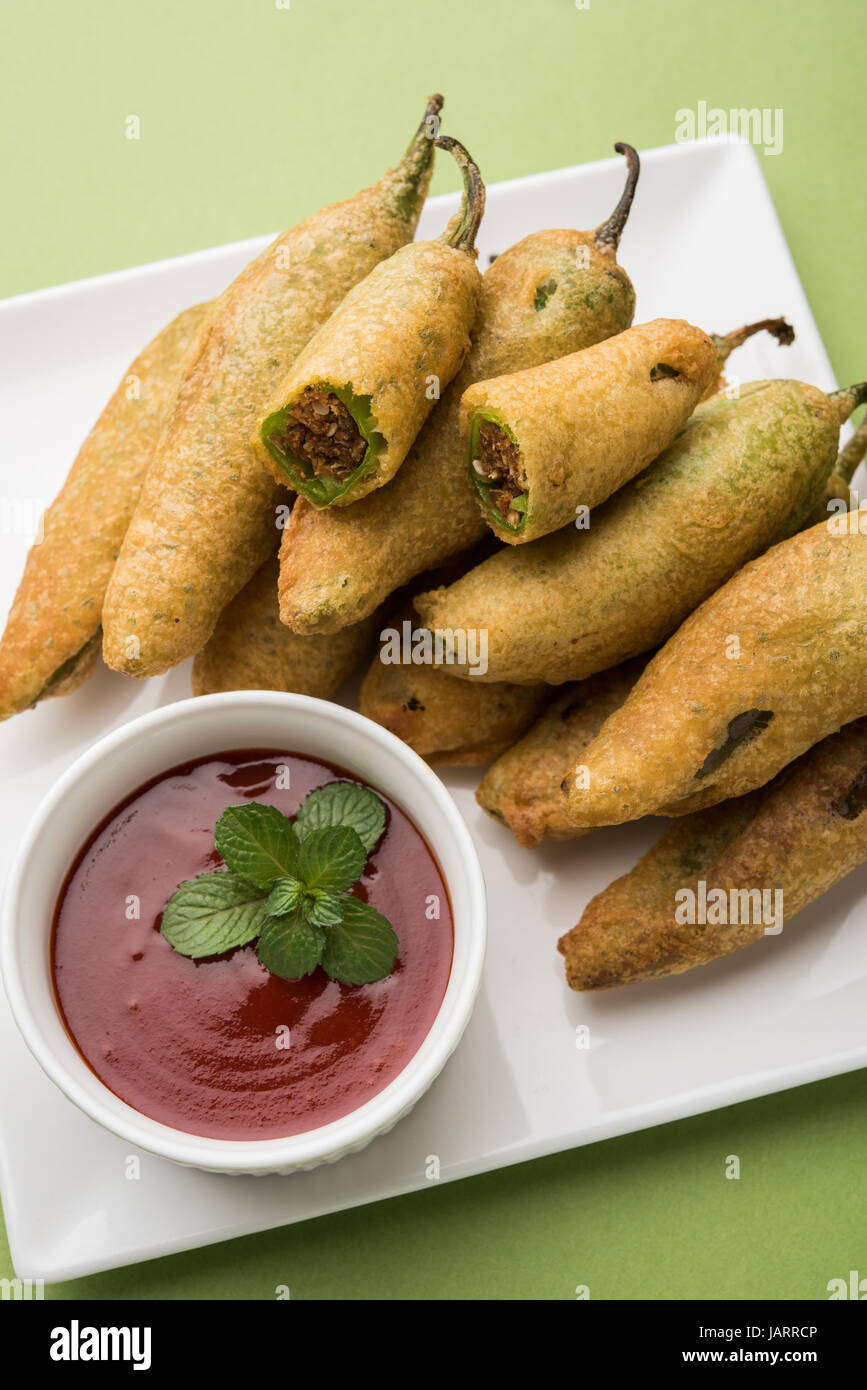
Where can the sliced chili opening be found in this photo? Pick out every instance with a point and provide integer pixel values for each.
(321, 432)
(325, 441)
(498, 472)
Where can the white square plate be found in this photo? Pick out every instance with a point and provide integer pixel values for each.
(704, 243)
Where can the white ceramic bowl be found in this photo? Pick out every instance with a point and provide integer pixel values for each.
(115, 767)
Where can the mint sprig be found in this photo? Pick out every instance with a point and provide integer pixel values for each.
(289, 885)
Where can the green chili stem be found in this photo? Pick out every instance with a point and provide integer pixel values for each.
(607, 236)
(848, 398)
(726, 343)
(851, 454)
(416, 161)
(463, 234)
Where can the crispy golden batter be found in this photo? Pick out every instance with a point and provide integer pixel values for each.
(523, 789)
(49, 645)
(741, 475)
(446, 721)
(587, 423)
(338, 566)
(205, 521)
(250, 649)
(770, 664)
(799, 835)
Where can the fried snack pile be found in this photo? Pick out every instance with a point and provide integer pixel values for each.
(657, 593)
(741, 475)
(205, 520)
(553, 293)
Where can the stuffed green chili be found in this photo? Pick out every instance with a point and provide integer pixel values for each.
(343, 420)
(549, 443)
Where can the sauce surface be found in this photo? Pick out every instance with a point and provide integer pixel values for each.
(203, 1045)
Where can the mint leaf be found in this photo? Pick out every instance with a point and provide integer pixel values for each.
(257, 842)
(363, 948)
(290, 946)
(332, 859)
(213, 913)
(284, 897)
(343, 803)
(323, 908)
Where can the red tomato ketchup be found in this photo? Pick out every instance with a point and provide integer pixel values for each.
(220, 1047)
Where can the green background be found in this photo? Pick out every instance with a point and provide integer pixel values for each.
(252, 115)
